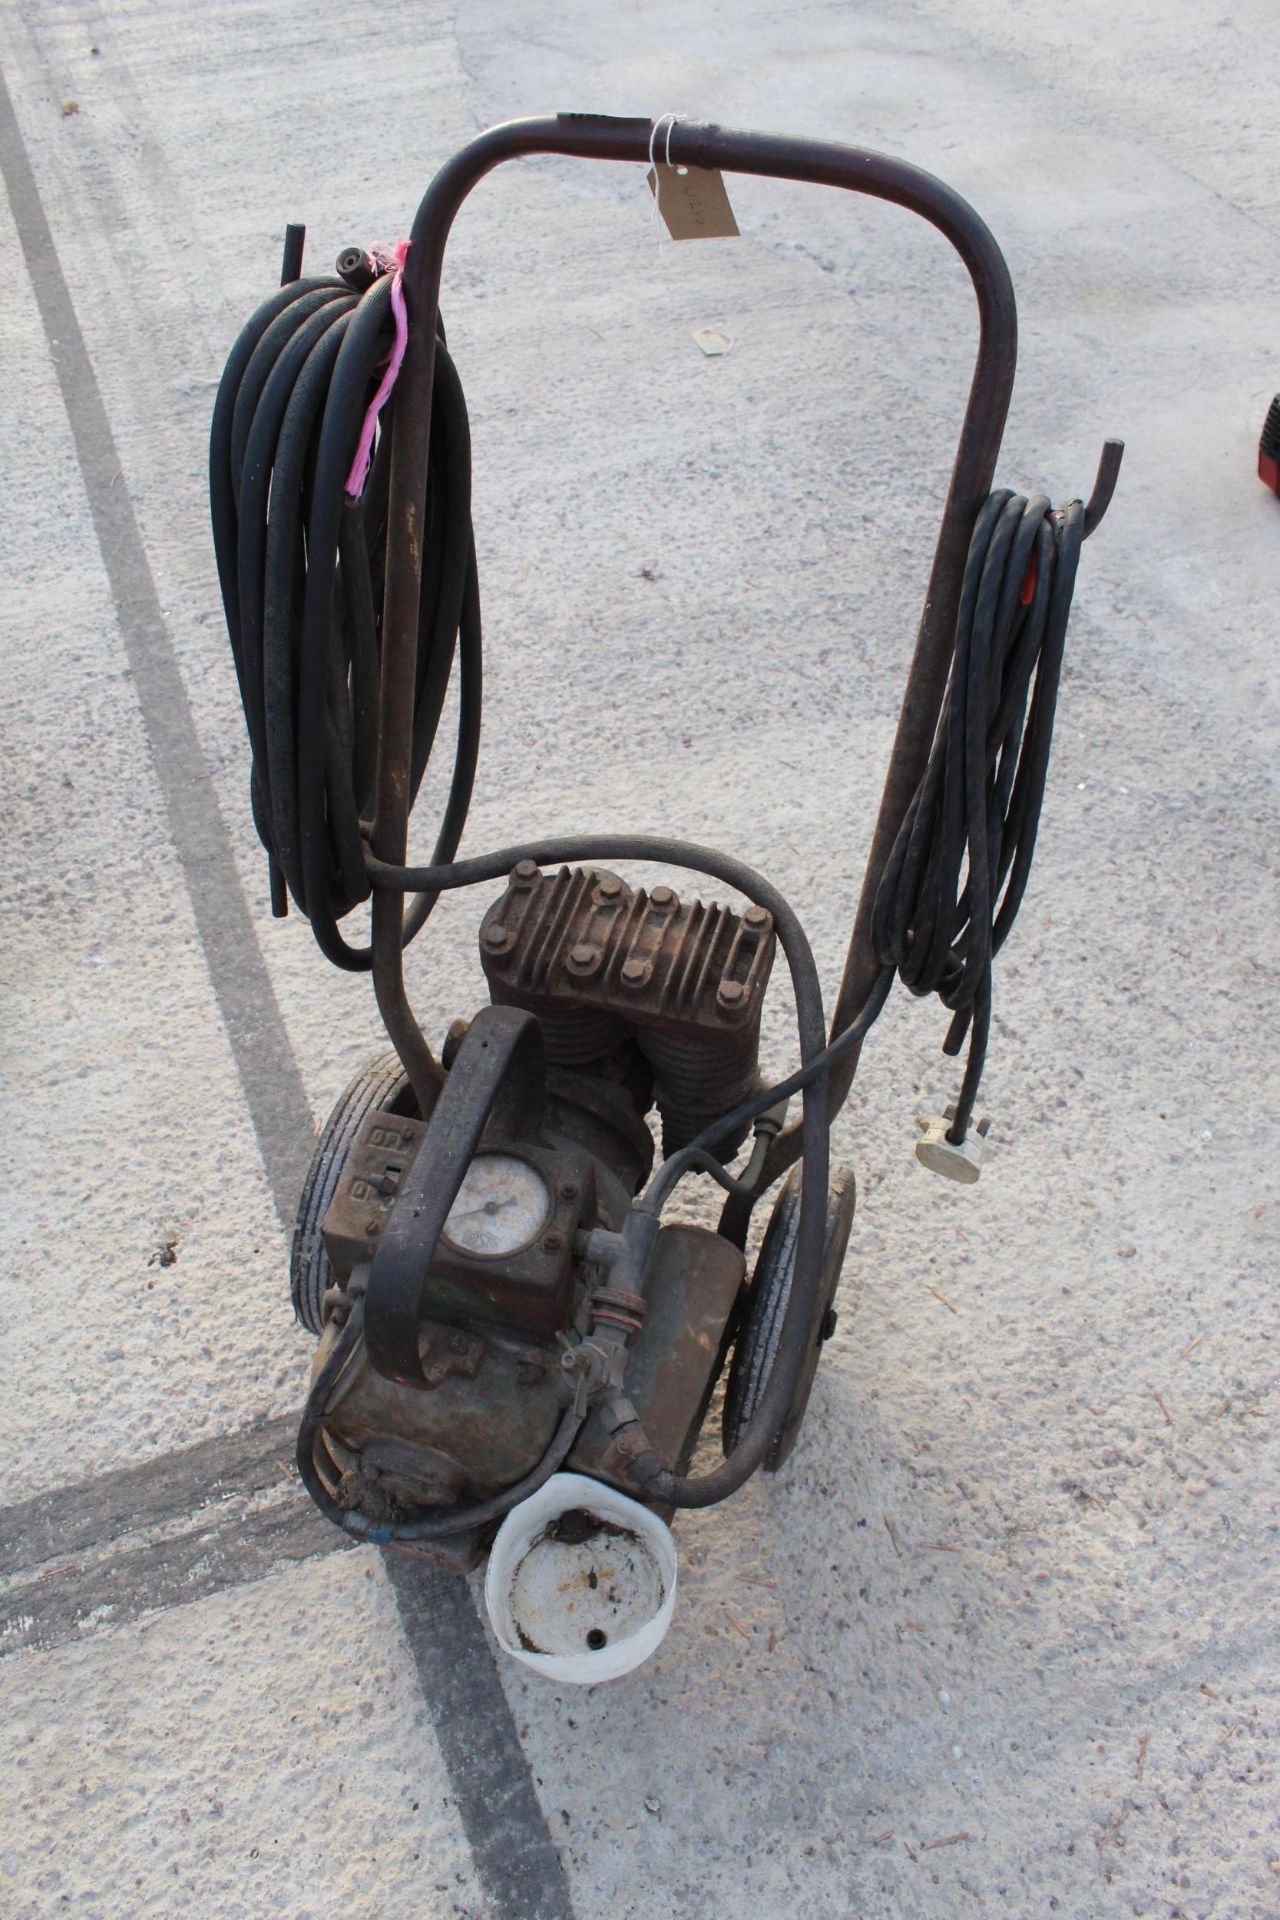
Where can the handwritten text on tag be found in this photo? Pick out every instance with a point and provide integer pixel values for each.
(693, 202)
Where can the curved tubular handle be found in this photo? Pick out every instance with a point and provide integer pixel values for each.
(823, 163)
(498, 1076)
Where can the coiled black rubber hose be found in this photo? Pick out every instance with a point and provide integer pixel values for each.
(300, 564)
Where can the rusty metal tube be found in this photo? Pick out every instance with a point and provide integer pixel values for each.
(691, 144)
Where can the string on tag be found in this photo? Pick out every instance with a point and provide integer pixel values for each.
(691, 201)
(391, 260)
(670, 119)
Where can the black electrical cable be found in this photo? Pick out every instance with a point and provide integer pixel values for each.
(300, 563)
(970, 830)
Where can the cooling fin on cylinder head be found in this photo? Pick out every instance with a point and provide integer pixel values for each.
(601, 963)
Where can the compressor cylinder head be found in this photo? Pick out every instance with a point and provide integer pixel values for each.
(607, 967)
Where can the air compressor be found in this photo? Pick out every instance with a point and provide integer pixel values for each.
(500, 1307)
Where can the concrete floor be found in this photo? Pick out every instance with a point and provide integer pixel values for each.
(1017, 1591)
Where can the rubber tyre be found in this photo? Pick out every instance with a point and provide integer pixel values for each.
(757, 1345)
(383, 1085)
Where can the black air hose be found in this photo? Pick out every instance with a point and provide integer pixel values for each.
(300, 562)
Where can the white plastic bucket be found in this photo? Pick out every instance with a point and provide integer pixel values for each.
(581, 1583)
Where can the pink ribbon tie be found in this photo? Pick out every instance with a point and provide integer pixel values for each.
(385, 256)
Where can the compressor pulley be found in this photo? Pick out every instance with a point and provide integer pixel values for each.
(481, 1248)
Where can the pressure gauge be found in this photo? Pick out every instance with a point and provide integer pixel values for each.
(501, 1206)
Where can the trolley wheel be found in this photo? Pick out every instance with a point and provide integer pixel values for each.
(766, 1309)
(383, 1084)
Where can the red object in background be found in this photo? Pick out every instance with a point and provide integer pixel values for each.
(1269, 449)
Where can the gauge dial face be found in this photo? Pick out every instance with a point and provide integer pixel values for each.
(501, 1206)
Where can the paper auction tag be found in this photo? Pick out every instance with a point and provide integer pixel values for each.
(693, 202)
